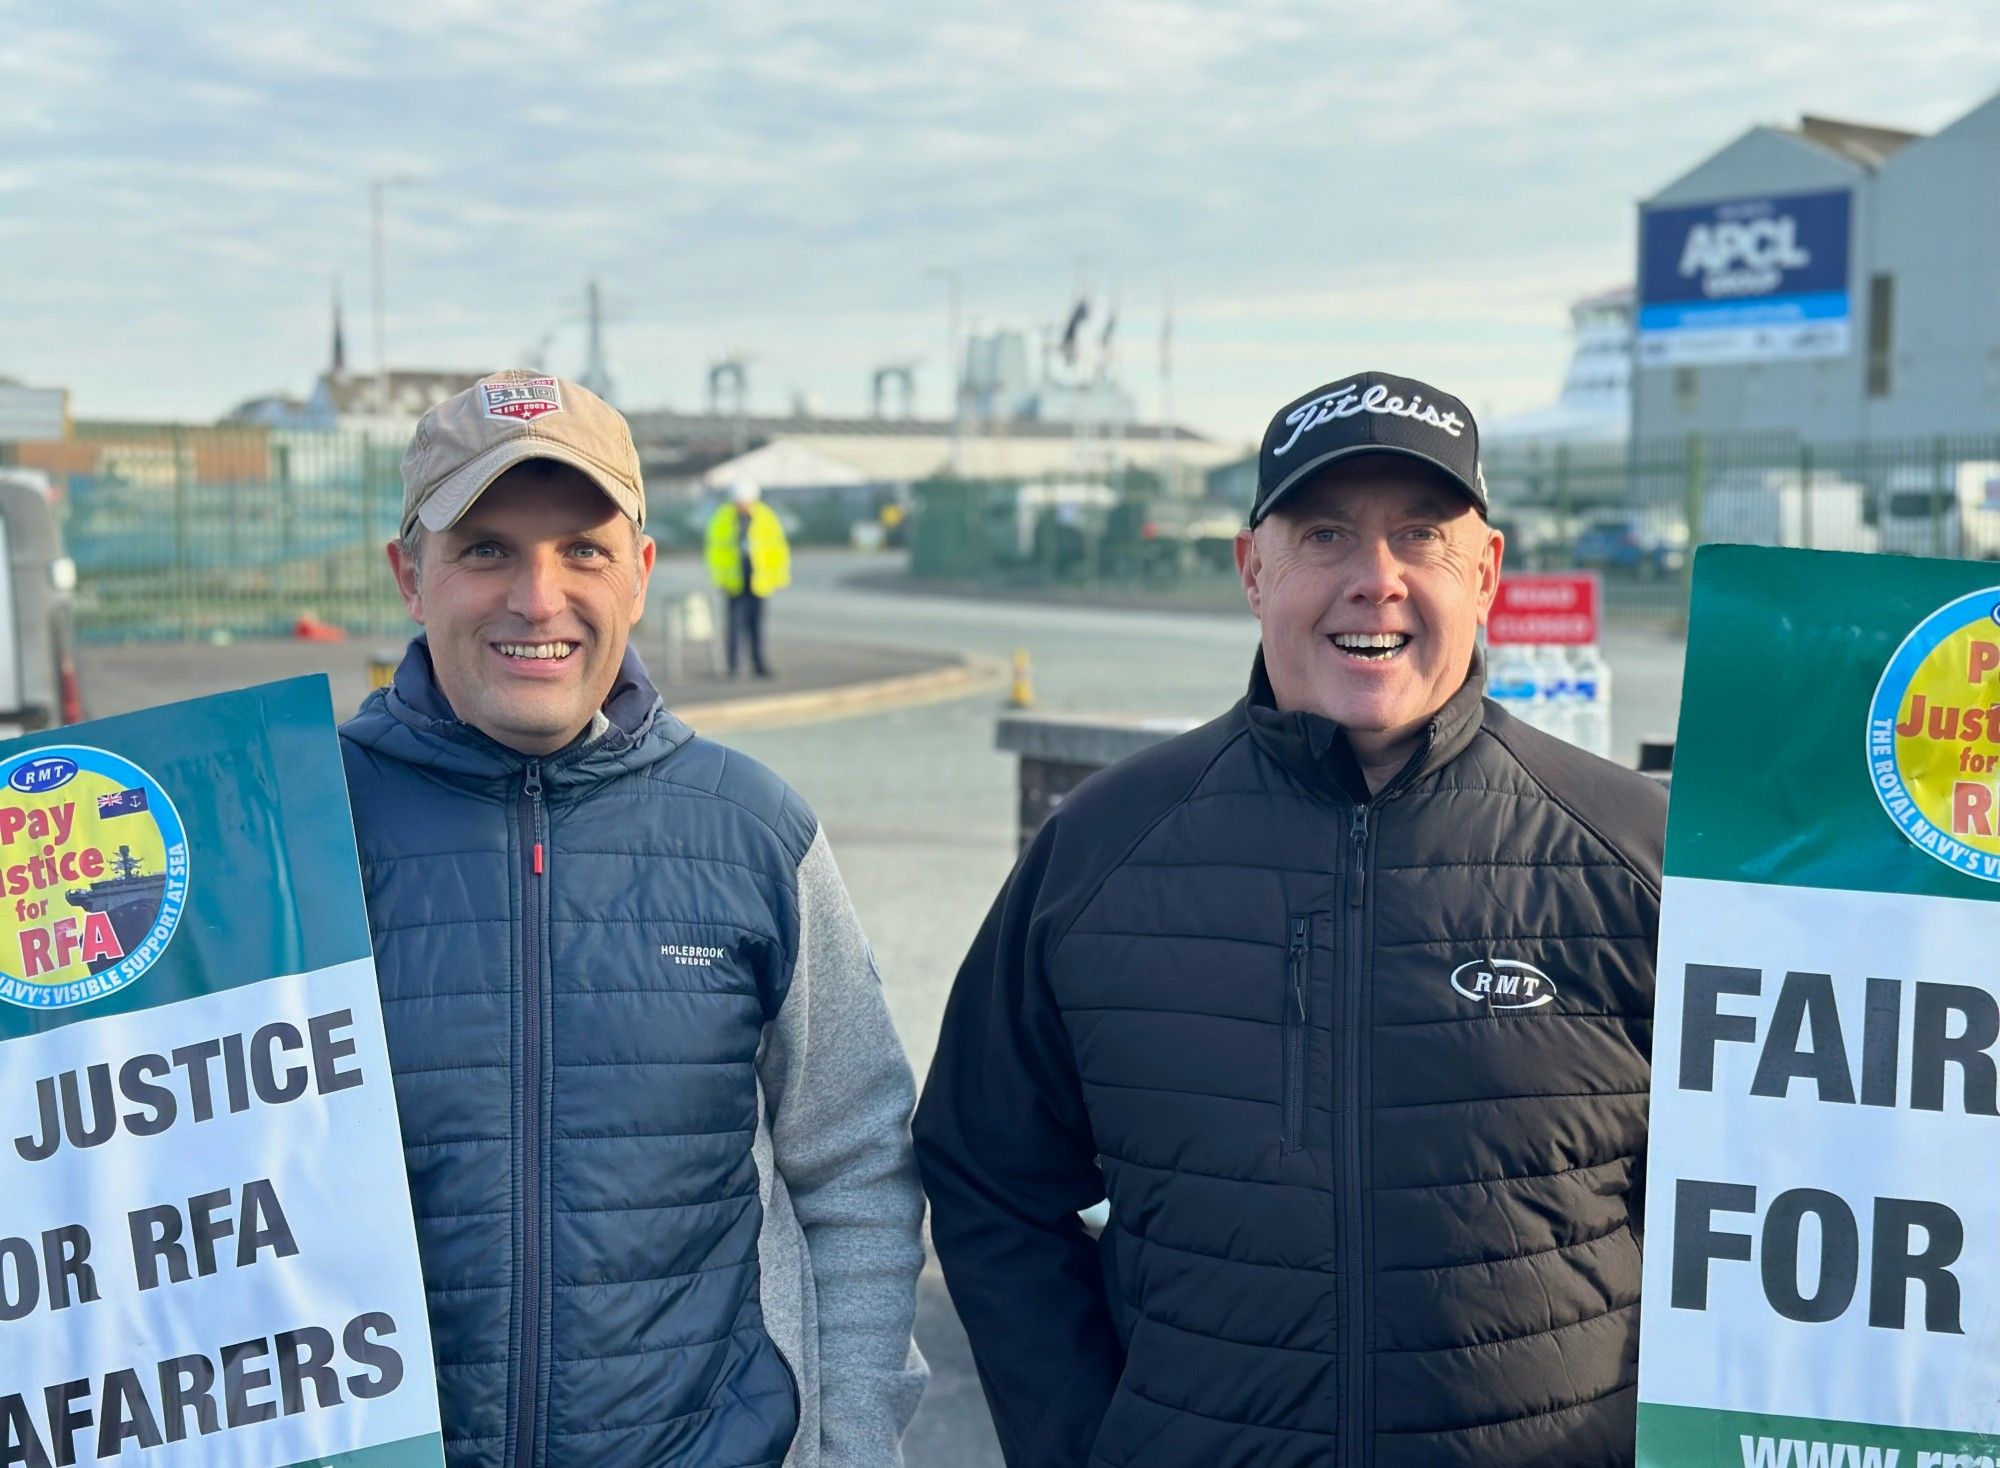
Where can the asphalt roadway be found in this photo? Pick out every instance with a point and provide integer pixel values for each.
(920, 808)
(919, 804)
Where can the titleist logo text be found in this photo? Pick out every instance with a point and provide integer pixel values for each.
(1345, 402)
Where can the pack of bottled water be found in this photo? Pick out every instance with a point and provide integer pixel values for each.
(1563, 691)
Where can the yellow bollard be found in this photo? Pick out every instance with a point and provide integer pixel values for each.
(1022, 694)
(382, 667)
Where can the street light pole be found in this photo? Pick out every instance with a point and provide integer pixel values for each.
(954, 364)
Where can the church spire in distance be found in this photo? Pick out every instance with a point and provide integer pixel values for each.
(339, 335)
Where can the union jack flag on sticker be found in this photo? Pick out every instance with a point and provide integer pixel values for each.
(522, 397)
(122, 802)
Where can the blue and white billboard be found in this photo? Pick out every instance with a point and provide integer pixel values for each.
(1746, 280)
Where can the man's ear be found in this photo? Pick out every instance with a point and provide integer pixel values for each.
(407, 569)
(1489, 571)
(1249, 565)
(646, 550)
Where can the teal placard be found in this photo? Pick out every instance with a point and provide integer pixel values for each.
(273, 886)
(411, 1452)
(1838, 767)
(1675, 1437)
(1772, 779)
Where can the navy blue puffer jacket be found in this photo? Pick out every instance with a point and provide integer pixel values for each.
(578, 957)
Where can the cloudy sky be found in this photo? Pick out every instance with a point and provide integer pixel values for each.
(1417, 184)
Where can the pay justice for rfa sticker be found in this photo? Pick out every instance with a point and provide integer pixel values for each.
(1934, 735)
(93, 876)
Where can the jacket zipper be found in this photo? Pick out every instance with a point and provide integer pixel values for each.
(1353, 1202)
(1294, 1077)
(1359, 1418)
(528, 1307)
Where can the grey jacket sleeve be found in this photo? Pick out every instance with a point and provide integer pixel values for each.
(839, 1093)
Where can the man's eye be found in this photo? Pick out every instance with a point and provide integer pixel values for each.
(1324, 536)
(486, 550)
(590, 552)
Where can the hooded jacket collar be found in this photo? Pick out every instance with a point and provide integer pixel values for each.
(411, 720)
(1315, 749)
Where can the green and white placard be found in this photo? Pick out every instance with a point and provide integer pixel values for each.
(1822, 1271)
(206, 1248)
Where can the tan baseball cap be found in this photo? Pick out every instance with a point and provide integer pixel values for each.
(466, 442)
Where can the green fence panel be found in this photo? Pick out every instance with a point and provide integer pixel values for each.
(199, 532)
(195, 533)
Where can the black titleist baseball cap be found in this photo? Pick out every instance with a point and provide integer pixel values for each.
(1368, 413)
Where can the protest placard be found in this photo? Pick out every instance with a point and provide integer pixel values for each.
(206, 1247)
(1822, 1271)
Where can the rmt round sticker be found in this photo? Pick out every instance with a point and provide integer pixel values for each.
(93, 875)
(1934, 735)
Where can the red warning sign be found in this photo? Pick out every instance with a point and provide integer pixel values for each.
(1559, 607)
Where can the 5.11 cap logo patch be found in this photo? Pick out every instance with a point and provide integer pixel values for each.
(522, 398)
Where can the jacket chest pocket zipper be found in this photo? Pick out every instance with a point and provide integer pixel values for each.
(1292, 1077)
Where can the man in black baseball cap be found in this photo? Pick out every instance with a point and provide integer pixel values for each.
(1343, 1001)
(1372, 412)
(1377, 643)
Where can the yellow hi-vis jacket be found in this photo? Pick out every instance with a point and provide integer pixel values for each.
(770, 553)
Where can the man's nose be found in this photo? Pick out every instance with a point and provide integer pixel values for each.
(1378, 576)
(536, 594)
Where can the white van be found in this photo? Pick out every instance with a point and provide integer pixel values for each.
(38, 678)
(1957, 514)
(1784, 507)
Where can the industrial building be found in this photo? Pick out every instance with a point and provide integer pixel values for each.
(1834, 282)
(32, 412)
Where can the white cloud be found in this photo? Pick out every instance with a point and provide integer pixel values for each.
(1317, 182)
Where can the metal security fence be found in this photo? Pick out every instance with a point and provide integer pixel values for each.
(184, 532)
(1633, 512)
(190, 532)
(1637, 513)
(199, 532)
(1056, 533)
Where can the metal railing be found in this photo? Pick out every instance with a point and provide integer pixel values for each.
(188, 532)
(1634, 512)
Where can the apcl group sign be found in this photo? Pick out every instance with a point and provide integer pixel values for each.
(1745, 280)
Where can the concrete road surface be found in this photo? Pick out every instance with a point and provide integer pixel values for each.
(920, 808)
(919, 804)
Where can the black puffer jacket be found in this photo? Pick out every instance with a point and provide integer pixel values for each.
(1364, 1080)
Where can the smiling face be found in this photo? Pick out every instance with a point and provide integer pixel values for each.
(528, 601)
(1370, 585)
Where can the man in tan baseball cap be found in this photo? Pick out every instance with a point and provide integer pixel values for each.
(465, 443)
(522, 553)
(655, 1113)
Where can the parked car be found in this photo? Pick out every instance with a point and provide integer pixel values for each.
(1535, 540)
(1202, 531)
(1633, 544)
(1958, 515)
(39, 688)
